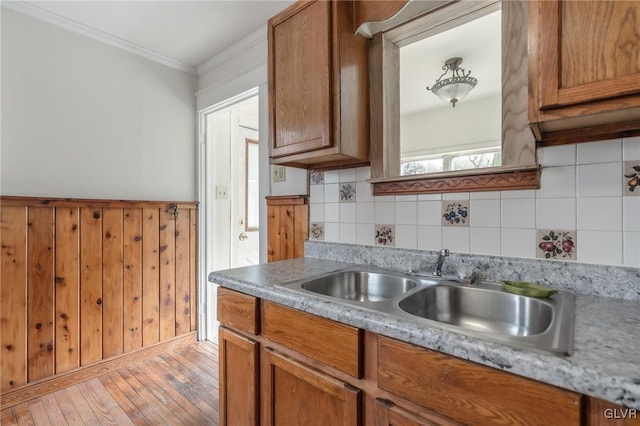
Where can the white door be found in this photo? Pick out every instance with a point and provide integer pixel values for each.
(244, 247)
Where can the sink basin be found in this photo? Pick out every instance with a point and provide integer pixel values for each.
(480, 309)
(360, 286)
(486, 310)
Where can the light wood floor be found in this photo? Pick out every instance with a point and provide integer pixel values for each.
(177, 388)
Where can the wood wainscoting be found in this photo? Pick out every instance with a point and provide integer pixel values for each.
(83, 281)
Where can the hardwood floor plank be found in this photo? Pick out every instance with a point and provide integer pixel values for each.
(127, 402)
(8, 417)
(71, 414)
(38, 412)
(154, 414)
(197, 396)
(56, 417)
(149, 397)
(102, 403)
(156, 382)
(176, 387)
(23, 415)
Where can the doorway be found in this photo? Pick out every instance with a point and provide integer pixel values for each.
(231, 193)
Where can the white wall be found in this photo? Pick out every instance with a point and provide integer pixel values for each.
(473, 123)
(84, 119)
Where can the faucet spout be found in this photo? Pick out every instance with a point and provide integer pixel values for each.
(444, 253)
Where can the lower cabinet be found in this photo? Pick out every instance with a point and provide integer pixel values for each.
(282, 366)
(294, 394)
(239, 379)
(388, 414)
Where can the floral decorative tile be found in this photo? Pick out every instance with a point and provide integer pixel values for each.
(316, 178)
(316, 231)
(455, 213)
(347, 192)
(556, 244)
(632, 178)
(385, 235)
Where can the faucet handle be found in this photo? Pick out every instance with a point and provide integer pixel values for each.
(444, 252)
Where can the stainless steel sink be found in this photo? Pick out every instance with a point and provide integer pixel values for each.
(483, 310)
(361, 286)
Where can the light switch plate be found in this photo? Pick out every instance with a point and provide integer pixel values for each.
(278, 173)
(222, 192)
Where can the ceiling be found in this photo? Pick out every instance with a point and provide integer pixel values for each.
(478, 43)
(188, 32)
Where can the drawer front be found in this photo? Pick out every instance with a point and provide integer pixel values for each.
(471, 393)
(334, 344)
(239, 311)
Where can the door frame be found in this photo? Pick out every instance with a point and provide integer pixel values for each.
(207, 327)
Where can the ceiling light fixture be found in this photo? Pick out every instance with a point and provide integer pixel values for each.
(457, 86)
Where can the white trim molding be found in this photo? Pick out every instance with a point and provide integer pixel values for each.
(87, 31)
(234, 50)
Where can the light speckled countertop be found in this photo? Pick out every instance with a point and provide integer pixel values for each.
(605, 362)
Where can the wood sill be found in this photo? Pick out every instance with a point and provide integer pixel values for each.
(488, 179)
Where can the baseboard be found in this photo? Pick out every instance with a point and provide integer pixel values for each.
(70, 378)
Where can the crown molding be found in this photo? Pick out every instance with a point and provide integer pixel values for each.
(235, 49)
(87, 31)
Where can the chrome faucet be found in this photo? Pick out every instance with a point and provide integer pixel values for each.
(444, 253)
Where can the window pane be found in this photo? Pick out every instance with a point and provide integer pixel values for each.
(473, 161)
(422, 166)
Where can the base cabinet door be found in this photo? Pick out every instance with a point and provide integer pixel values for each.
(239, 379)
(388, 414)
(294, 394)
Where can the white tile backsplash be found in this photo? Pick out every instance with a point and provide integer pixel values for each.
(347, 232)
(518, 213)
(599, 180)
(316, 194)
(385, 212)
(406, 213)
(556, 213)
(599, 152)
(631, 249)
(363, 173)
(564, 155)
(631, 214)
(602, 247)
(365, 213)
(406, 236)
(557, 182)
(581, 192)
(430, 238)
(430, 213)
(348, 214)
(519, 242)
(631, 149)
(332, 212)
(600, 214)
(456, 239)
(485, 213)
(331, 193)
(347, 175)
(486, 241)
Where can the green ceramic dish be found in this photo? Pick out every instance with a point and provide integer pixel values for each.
(528, 289)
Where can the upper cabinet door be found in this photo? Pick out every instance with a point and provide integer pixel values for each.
(584, 69)
(300, 48)
(318, 86)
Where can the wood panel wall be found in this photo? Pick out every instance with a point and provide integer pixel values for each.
(287, 226)
(82, 281)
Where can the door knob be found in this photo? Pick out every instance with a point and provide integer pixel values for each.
(243, 236)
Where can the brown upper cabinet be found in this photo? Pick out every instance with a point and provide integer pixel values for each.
(584, 70)
(318, 86)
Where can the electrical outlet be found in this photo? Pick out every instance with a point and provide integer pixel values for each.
(222, 192)
(279, 174)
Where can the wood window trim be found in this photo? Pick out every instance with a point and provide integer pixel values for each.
(520, 170)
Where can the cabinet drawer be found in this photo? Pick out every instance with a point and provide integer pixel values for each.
(239, 311)
(468, 392)
(334, 344)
